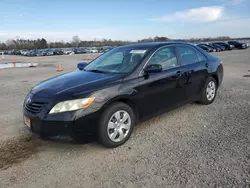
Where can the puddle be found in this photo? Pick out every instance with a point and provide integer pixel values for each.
(17, 65)
(16, 150)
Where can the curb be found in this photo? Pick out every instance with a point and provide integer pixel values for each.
(17, 65)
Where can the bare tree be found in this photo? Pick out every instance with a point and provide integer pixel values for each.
(76, 41)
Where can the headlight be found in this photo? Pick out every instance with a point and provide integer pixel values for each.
(71, 105)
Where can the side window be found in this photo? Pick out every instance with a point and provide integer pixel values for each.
(200, 56)
(187, 55)
(166, 57)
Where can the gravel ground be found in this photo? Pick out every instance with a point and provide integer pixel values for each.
(192, 146)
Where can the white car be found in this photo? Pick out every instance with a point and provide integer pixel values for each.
(93, 50)
(68, 51)
(24, 52)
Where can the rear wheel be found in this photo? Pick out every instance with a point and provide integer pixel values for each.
(209, 91)
(116, 125)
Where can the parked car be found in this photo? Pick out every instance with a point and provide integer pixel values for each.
(101, 50)
(221, 47)
(227, 46)
(49, 52)
(206, 48)
(88, 50)
(16, 52)
(32, 53)
(10, 52)
(215, 49)
(24, 52)
(41, 53)
(93, 50)
(238, 45)
(57, 52)
(104, 49)
(79, 50)
(68, 51)
(112, 93)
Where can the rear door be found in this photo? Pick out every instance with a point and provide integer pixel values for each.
(195, 65)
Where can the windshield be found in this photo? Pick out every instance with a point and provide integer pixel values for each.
(203, 46)
(119, 60)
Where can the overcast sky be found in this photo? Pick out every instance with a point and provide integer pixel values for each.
(123, 19)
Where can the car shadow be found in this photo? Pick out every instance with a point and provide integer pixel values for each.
(68, 140)
(246, 76)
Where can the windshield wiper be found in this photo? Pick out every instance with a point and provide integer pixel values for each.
(95, 70)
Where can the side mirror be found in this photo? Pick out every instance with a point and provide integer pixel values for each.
(81, 66)
(154, 68)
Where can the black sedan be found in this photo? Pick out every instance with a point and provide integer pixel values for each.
(218, 46)
(57, 52)
(238, 45)
(108, 96)
(227, 46)
(206, 48)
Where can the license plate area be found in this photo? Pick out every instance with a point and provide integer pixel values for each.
(26, 121)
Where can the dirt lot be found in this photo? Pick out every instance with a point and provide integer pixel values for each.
(192, 146)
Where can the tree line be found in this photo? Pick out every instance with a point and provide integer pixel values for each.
(77, 42)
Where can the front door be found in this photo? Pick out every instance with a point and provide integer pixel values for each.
(162, 90)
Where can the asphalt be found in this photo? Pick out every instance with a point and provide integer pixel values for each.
(191, 146)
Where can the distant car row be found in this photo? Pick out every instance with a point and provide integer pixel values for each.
(58, 51)
(209, 47)
(221, 46)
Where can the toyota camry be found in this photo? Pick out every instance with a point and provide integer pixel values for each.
(110, 95)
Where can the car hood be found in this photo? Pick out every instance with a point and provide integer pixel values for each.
(73, 84)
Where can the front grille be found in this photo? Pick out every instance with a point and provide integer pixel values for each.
(35, 107)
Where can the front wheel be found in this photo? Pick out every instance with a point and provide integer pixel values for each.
(116, 125)
(209, 91)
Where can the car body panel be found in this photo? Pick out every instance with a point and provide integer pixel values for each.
(74, 83)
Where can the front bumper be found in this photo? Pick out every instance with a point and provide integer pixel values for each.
(65, 123)
(85, 125)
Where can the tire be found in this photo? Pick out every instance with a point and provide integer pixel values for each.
(121, 131)
(205, 99)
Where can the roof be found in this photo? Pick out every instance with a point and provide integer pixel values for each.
(153, 44)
